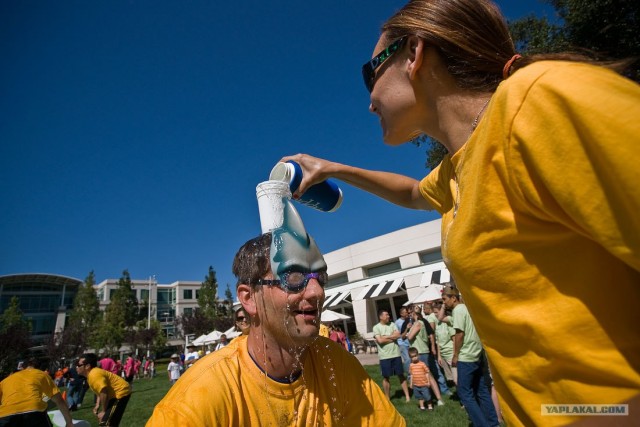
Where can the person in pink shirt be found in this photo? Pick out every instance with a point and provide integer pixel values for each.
(107, 363)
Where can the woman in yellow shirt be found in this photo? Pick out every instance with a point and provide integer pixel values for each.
(539, 197)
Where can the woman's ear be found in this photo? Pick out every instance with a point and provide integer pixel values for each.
(417, 49)
(246, 298)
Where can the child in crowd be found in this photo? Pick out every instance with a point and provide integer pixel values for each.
(421, 380)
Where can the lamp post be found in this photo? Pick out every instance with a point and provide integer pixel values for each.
(151, 279)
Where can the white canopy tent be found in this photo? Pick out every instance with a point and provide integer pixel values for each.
(200, 340)
(212, 337)
(332, 316)
(232, 333)
(431, 293)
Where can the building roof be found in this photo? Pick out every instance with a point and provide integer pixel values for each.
(53, 279)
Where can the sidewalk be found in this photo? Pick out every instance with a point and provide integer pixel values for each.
(368, 358)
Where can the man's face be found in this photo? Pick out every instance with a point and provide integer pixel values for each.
(81, 367)
(448, 301)
(289, 318)
(384, 317)
(403, 313)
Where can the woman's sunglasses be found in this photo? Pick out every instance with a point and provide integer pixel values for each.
(368, 69)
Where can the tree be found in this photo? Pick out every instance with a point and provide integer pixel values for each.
(208, 296)
(15, 333)
(84, 316)
(151, 340)
(195, 324)
(120, 316)
(606, 30)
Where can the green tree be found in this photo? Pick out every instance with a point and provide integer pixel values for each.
(208, 296)
(15, 333)
(85, 315)
(120, 316)
(606, 30)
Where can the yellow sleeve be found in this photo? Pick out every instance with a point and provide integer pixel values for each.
(436, 187)
(575, 151)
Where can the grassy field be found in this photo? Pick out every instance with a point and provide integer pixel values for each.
(146, 393)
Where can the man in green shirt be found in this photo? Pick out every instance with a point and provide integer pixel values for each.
(386, 333)
(467, 357)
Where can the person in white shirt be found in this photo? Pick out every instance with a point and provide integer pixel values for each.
(222, 343)
(191, 356)
(174, 368)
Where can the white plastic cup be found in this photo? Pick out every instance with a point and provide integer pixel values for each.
(272, 196)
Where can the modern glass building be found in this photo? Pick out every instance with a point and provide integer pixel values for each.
(45, 299)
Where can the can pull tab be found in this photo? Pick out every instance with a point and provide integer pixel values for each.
(325, 196)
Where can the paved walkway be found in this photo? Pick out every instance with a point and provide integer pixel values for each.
(368, 358)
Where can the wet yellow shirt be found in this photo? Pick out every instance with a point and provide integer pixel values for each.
(545, 246)
(98, 379)
(226, 388)
(23, 391)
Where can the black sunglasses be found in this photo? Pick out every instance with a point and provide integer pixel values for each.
(296, 281)
(80, 364)
(240, 319)
(368, 69)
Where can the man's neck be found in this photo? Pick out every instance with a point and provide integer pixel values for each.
(280, 362)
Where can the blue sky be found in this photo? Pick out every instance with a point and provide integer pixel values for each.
(133, 133)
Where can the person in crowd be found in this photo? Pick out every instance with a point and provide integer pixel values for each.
(117, 367)
(58, 378)
(112, 391)
(129, 369)
(108, 364)
(137, 366)
(280, 372)
(420, 337)
(21, 395)
(430, 317)
(473, 391)
(386, 333)
(191, 356)
(74, 388)
(222, 342)
(537, 194)
(420, 380)
(403, 342)
(342, 337)
(243, 322)
(174, 368)
(444, 341)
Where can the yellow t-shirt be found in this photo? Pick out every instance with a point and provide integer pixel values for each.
(98, 379)
(545, 246)
(226, 388)
(22, 392)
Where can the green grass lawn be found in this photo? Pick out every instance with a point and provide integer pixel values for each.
(147, 393)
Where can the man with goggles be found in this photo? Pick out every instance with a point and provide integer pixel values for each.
(282, 372)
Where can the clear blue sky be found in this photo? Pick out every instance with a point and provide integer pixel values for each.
(133, 133)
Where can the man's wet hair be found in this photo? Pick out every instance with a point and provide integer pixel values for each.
(253, 261)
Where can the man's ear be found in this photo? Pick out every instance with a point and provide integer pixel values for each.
(417, 49)
(246, 297)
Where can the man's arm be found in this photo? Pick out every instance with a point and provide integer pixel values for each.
(101, 403)
(62, 406)
(458, 338)
(385, 339)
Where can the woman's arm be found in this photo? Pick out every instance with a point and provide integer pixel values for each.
(395, 188)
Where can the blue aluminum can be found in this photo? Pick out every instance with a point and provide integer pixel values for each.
(325, 196)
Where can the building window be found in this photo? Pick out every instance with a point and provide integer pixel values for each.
(431, 257)
(144, 294)
(111, 293)
(337, 280)
(188, 311)
(197, 293)
(383, 268)
(187, 294)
